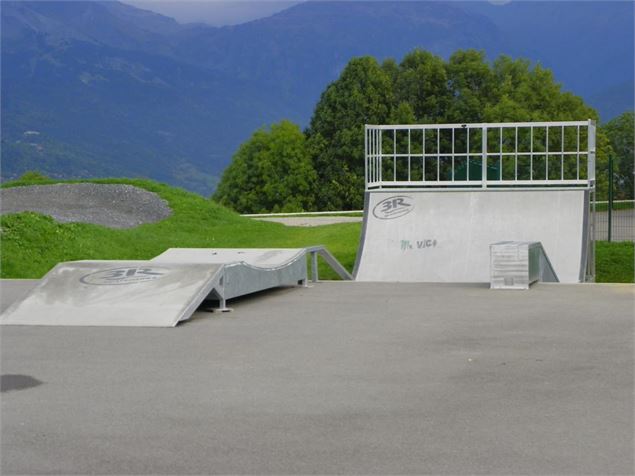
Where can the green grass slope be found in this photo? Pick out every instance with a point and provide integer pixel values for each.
(615, 262)
(31, 244)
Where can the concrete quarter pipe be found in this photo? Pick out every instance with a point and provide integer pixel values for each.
(435, 203)
(445, 236)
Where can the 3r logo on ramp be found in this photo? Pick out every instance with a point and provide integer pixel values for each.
(393, 207)
(118, 276)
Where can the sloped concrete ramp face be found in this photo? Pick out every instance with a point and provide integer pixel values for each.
(445, 236)
(115, 293)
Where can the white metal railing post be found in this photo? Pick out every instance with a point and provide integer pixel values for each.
(377, 156)
(452, 176)
(314, 266)
(516, 154)
(531, 153)
(547, 153)
(373, 146)
(381, 159)
(409, 176)
(394, 155)
(484, 155)
(591, 153)
(500, 154)
(467, 151)
(366, 158)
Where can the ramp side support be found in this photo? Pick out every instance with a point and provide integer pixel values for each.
(331, 261)
(219, 295)
(518, 264)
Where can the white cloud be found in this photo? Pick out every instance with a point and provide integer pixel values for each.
(214, 12)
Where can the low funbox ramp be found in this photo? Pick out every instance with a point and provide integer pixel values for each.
(156, 293)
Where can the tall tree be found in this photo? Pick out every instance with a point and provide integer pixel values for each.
(620, 132)
(424, 88)
(271, 172)
(421, 81)
(472, 85)
(362, 95)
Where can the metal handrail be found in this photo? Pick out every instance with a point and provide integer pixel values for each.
(330, 259)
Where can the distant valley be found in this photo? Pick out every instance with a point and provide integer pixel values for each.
(106, 89)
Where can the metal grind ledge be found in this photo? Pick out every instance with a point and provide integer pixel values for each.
(519, 264)
(160, 292)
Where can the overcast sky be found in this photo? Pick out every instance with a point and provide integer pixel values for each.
(214, 12)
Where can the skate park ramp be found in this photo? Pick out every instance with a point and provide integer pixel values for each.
(156, 293)
(438, 195)
(445, 236)
(245, 271)
(115, 293)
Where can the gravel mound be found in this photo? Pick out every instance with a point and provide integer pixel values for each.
(112, 205)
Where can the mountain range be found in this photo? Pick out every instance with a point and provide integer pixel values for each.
(108, 89)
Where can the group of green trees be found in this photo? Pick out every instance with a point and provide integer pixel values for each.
(621, 134)
(322, 168)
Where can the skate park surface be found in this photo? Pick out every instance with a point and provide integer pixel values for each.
(340, 377)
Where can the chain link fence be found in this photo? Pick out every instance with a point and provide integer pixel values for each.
(614, 219)
(615, 222)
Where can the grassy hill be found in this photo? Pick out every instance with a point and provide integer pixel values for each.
(32, 243)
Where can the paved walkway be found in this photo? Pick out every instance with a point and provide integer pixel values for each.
(338, 378)
(311, 221)
(623, 223)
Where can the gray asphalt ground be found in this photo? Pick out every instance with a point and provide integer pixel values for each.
(336, 378)
(112, 205)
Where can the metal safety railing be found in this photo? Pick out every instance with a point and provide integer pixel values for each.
(513, 154)
(335, 265)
